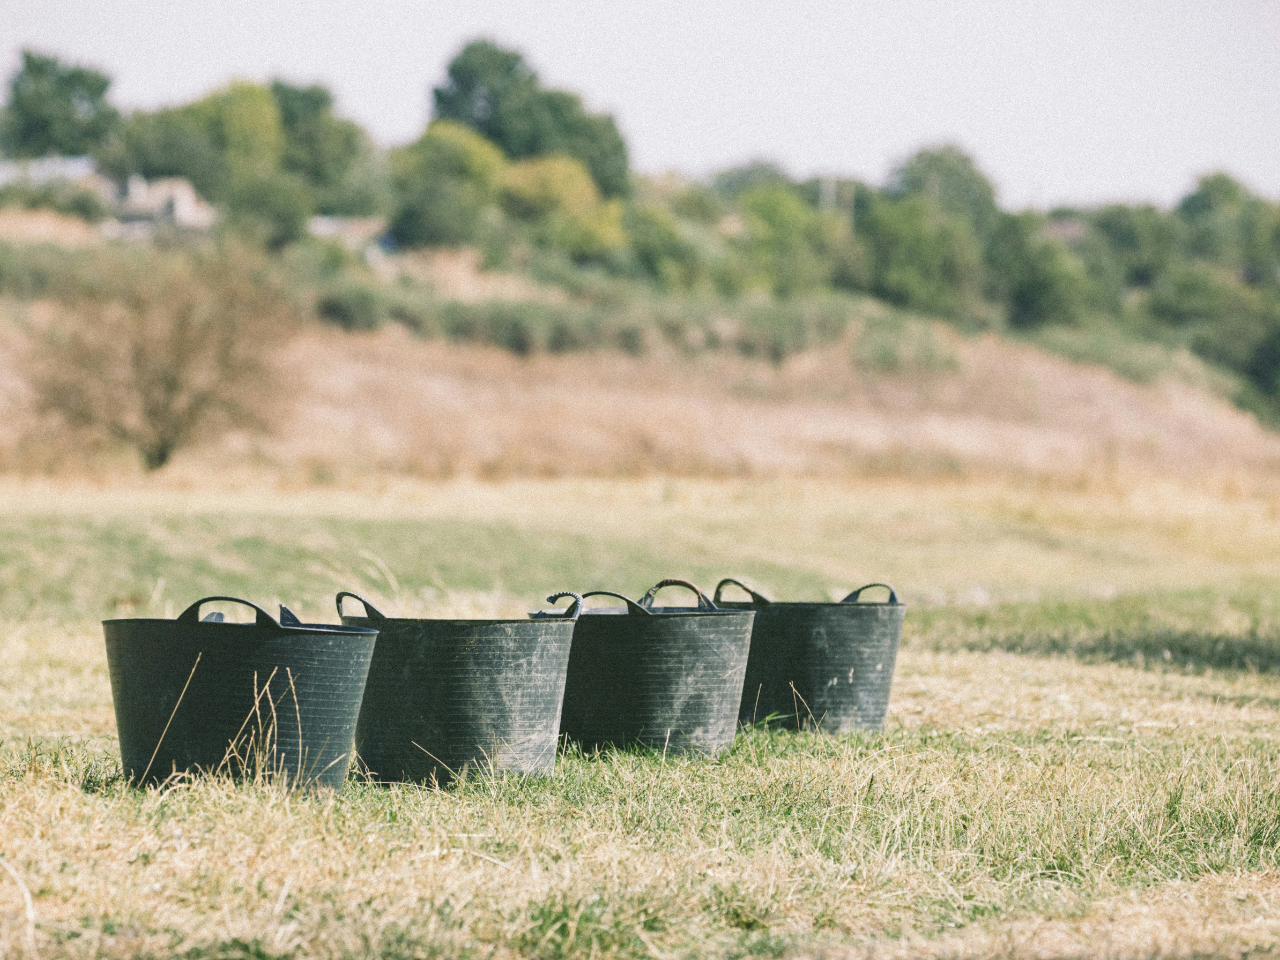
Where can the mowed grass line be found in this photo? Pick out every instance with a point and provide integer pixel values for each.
(1228, 628)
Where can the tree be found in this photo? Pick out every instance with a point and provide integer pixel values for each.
(1231, 226)
(445, 180)
(919, 257)
(221, 142)
(246, 128)
(178, 346)
(949, 177)
(495, 92)
(1037, 278)
(277, 206)
(734, 182)
(1144, 240)
(234, 148)
(660, 248)
(168, 143)
(557, 197)
(1212, 213)
(593, 138)
(787, 240)
(319, 147)
(56, 109)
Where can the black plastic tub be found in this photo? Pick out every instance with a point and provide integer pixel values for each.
(823, 666)
(446, 696)
(273, 699)
(669, 678)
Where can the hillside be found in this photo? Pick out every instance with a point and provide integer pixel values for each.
(389, 402)
(861, 388)
(437, 409)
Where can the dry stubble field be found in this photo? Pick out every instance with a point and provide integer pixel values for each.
(1080, 760)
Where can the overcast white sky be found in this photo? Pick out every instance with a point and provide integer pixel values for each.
(1060, 101)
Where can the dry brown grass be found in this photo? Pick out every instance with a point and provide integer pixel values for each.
(1065, 752)
(1017, 806)
(387, 403)
(432, 409)
(21, 227)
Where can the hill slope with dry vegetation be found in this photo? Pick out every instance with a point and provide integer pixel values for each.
(882, 392)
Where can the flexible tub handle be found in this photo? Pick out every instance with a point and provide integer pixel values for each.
(192, 613)
(756, 597)
(853, 597)
(570, 612)
(703, 603)
(632, 606)
(370, 611)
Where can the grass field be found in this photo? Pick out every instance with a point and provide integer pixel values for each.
(1082, 756)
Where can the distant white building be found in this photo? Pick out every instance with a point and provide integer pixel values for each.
(169, 199)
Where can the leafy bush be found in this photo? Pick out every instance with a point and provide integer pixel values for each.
(445, 181)
(276, 206)
(558, 198)
(891, 345)
(1143, 241)
(921, 258)
(661, 249)
(1040, 281)
(787, 241)
(59, 197)
(1198, 293)
(354, 306)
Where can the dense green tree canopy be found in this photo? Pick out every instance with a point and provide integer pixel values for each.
(920, 257)
(55, 109)
(168, 143)
(1040, 281)
(320, 147)
(494, 91)
(786, 240)
(735, 181)
(1143, 240)
(445, 180)
(950, 178)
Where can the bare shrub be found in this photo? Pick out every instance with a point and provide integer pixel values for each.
(163, 349)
